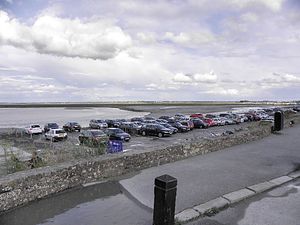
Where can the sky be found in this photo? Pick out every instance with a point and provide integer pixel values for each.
(166, 50)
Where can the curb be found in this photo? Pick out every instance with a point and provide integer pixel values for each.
(213, 206)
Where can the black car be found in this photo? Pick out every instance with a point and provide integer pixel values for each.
(179, 126)
(113, 123)
(130, 127)
(173, 129)
(117, 134)
(156, 130)
(49, 126)
(93, 137)
(137, 119)
(149, 118)
(198, 123)
(166, 118)
(72, 126)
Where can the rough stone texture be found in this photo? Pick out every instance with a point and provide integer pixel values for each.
(212, 205)
(239, 195)
(281, 180)
(23, 187)
(261, 187)
(187, 215)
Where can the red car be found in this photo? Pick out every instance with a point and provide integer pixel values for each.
(197, 115)
(209, 121)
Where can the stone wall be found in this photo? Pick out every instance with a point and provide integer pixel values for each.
(23, 187)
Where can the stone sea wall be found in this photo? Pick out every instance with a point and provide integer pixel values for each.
(22, 187)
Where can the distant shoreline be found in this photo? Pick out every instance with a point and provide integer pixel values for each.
(128, 105)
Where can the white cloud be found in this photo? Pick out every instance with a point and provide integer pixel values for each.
(192, 38)
(146, 38)
(65, 37)
(182, 78)
(223, 91)
(206, 77)
(274, 5)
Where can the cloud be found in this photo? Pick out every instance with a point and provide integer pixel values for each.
(196, 78)
(223, 91)
(274, 5)
(188, 39)
(65, 37)
(206, 77)
(182, 78)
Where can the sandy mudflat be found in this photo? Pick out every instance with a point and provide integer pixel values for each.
(159, 110)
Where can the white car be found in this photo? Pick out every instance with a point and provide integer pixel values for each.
(56, 134)
(219, 121)
(33, 129)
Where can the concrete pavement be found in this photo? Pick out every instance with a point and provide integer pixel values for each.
(207, 177)
(277, 207)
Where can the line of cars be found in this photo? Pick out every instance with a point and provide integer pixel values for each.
(121, 129)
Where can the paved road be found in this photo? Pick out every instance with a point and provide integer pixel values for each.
(277, 207)
(206, 177)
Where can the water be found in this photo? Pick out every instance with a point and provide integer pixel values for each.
(21, 117)
(101, 204)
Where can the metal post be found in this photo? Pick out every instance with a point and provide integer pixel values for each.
(164, 200)
(278, 121)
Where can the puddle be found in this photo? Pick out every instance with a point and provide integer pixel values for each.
(102, 203)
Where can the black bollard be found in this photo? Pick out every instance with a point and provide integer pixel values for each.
(164, 200)
(278, 121)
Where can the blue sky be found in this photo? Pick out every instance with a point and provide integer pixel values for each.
(149, 50)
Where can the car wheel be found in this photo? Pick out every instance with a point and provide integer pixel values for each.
(160, 135)
(144, 133)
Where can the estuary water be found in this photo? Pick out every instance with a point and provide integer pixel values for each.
(21, 117)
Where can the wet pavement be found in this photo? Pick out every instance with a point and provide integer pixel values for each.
(280, 206)
(105, 203)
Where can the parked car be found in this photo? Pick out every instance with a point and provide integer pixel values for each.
(198, 123)
(211, 116)
(174, 130)
(156, 130)
(98, 124)
(188, 123)
(167, 118)
(197, 115)
(113, 123)
(180, 116)
(131, 127)
(209, 121)
(179, 126)
(56, 134)
(218, 121)
(33, 129)
(93, 137)
(72, 126)
(49, 126)
(150, 121)
(137, 119)
(117, 134)
(227, 121)
(160, 121)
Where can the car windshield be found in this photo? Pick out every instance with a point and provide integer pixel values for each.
(53, 125)
(60, 131)
(35, 126)
(161, 127)
(100, 121)
(118, 131)
(74, 123)
(97, 133)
